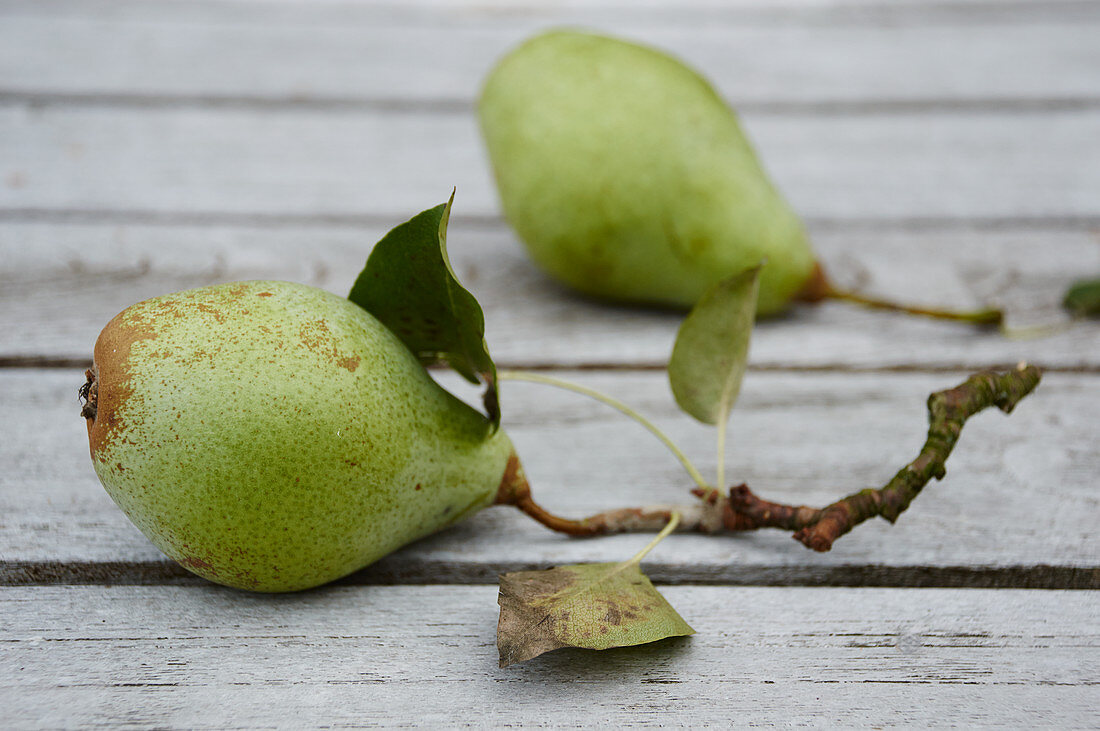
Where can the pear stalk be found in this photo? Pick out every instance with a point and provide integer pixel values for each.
(818, 287)
(614, 403)
(816, 528)
(987, 316)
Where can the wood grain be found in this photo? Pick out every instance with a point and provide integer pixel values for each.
(316, 164)
(942, 153)
(392, 656)
(61, 282)
(322, 55)
(1017, 507)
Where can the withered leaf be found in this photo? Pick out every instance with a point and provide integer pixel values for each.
(593, 606)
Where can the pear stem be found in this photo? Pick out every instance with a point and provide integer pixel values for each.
(948, 411)
(816, 528)
(509, 375)
(580, 528)
(703, 517)
(988, 316)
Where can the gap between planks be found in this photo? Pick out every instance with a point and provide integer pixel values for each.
(462, 106)
(399, 570)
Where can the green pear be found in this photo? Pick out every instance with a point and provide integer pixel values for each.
(272, 436)
(629, 178)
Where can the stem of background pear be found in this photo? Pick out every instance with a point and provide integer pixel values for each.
(506, 375)
(977, 317)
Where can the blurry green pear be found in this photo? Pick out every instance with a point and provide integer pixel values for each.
(629, 178)
(272, 436)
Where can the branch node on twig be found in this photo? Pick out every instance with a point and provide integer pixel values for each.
(947, 413)
(816, 528)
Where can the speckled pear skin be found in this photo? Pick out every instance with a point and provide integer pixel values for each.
(629, 178)
(274, 437)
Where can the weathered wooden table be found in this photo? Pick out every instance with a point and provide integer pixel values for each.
(945, 154)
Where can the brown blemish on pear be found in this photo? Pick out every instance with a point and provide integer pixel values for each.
(109, 386)
(317, 336)
(214, 312)
(196, 564)
(254, 460)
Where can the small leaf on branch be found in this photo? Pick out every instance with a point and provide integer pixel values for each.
(593, 606)
(819, 528)
(711, 351)
(409, 285)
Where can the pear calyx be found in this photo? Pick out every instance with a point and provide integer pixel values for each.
(89, 395)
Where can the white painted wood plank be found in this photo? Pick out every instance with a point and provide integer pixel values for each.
(1020, 490)
(415, 8)
(449, 12)
(314, 53)
(95, 657)
(60, 283)
(309, 163)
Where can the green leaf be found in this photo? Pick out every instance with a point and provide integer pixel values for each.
(1083, 298)
(409, 285)
(593, 606)
(711, 351)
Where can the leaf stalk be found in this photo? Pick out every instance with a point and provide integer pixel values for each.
(689, 467)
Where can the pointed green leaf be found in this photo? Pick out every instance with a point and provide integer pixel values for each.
(1083, 298)
(711, 351)
(409, 285)
(592, 606)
